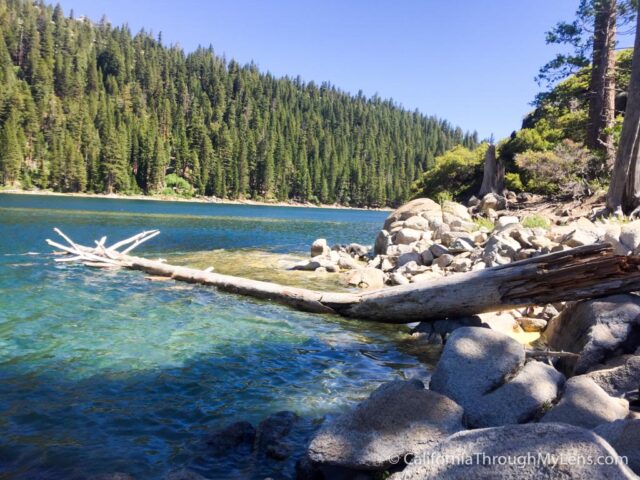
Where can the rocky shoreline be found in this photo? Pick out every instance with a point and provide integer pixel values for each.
(490, 409)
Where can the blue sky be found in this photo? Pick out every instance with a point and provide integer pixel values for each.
(468, 61)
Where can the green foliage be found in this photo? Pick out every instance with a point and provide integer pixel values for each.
(179, 186)
(456, 175)
(536, 221)
(561, 171)
(483, 222)
(89, 107)
(513, 182)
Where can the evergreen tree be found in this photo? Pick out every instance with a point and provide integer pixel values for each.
(91, 107)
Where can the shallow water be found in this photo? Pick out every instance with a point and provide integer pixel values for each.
(109, 372)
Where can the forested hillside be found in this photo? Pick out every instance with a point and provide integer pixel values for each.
(90, 107)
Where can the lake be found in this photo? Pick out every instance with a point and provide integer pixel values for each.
(104, 371)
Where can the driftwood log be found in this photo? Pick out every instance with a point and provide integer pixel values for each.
(583, 272)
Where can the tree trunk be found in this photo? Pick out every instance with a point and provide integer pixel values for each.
(602, 82)
(624, 190)
(493, 178)
(584, 272)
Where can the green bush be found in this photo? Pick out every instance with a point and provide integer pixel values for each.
(456, 175)
(176, 185)
(513, 182)
(561, 171)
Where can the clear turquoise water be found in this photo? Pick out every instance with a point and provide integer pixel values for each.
(108, 372)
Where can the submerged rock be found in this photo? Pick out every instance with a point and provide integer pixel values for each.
(366, 278)
(231, 437)
(184, 474)
(272, 432)
(526, 452)
(399, 418)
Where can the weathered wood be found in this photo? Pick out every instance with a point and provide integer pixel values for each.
(546, 354)
(583, 272)
(493, 175)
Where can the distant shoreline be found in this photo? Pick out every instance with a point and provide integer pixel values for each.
(168, 198)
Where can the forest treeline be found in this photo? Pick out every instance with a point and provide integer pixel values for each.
(89, 107)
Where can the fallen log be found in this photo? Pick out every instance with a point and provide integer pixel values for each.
(583, 272)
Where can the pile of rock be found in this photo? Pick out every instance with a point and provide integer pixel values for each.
(486, 398)
(422, 239)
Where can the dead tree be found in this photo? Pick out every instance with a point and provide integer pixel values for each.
(493, 177)
(583, 272)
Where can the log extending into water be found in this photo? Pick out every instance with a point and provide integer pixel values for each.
(583, 272)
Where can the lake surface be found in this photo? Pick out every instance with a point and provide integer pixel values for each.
(104, 372)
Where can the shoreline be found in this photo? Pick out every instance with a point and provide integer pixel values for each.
(201, 199)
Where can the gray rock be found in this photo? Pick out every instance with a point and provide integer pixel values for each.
(443, 260)
(624, 437)
(506, 220)
(630, 236)
(579, 238)
(398, 419)
(585, 404)
(316, 263)
(427, 257)
(397, 250)
(520, 400)
(529, 324)
(383, 241)
(347, 262)
(491, 201)
(456, 209)
(596, 329)
(437, 250)
(272, 432)
(319, 247)
(424, 207)
(618, 376)
(366, 278)
(499, 246)
(233, 436)
(518, 452)
(417, 223)
(460, 245)
(397, 278)
(437, 332)
(358, 251)
(408, 257)
(460, 264)
(482, 370)
(407, 236)
(475, 362)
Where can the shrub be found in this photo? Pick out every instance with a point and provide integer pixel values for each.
(456, 175)
(513, 182)
(564, 170)
(176, 185)
(536, 221)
